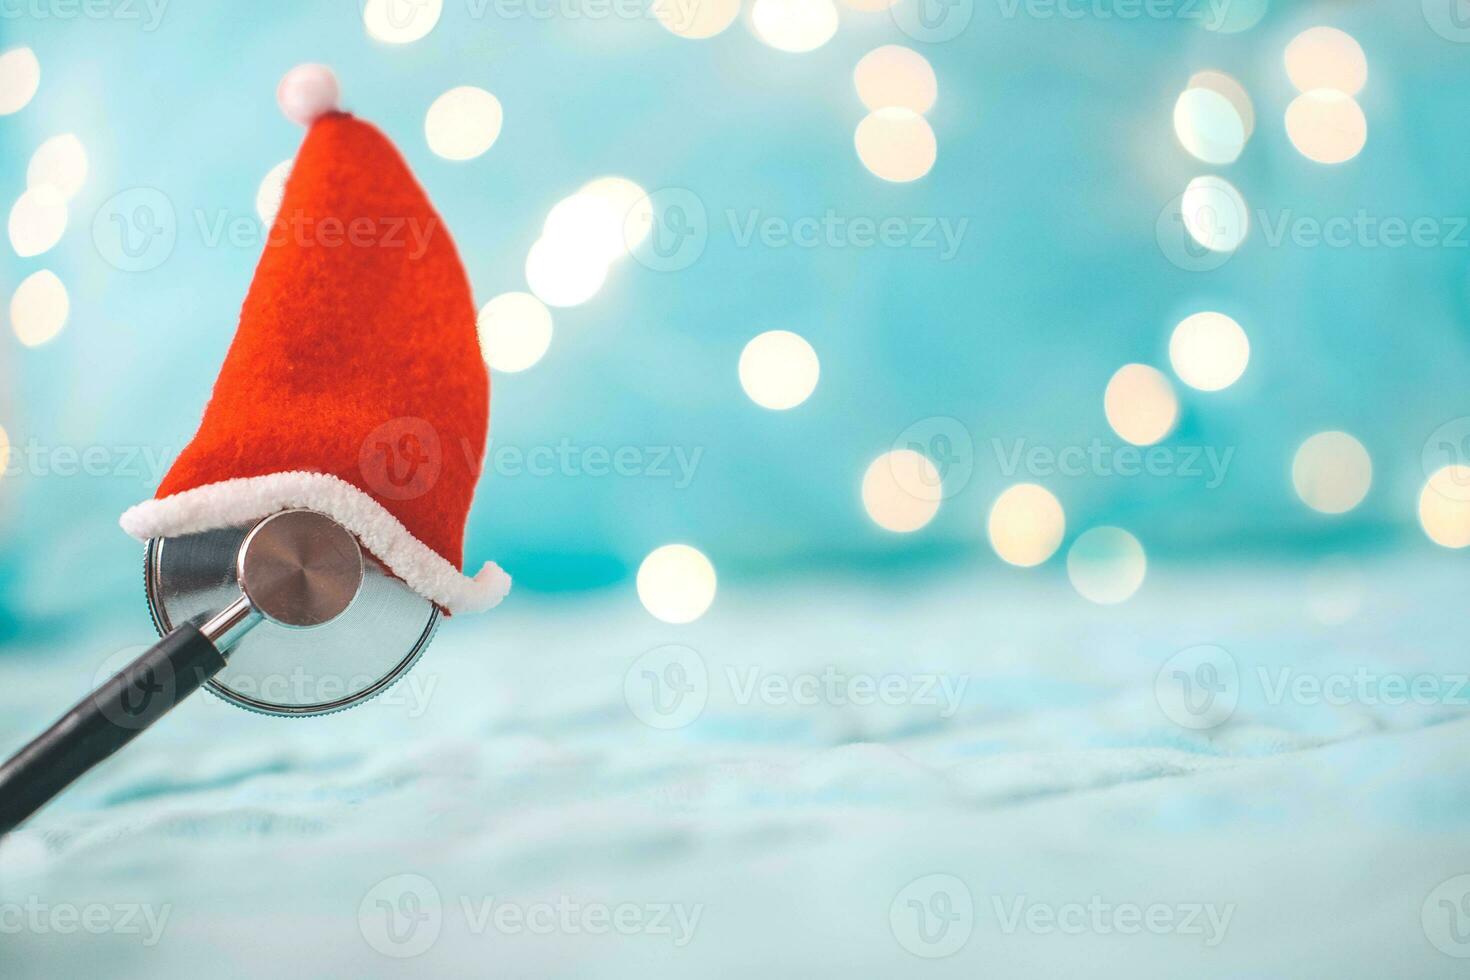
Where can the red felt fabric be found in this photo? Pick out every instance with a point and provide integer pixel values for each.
(356, 353)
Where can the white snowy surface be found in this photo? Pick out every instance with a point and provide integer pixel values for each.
(487, 813)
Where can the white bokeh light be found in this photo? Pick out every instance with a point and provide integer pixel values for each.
(1140, 404)
(515, 331)
(401, 21)
(894, 76)
(1026, 524)
(1106, 565)
(779, 369)
(676, 583)
(39, 308)
(592, 219)
(1226, 85)
(796, 26)
(896, 144)
(1325, 57)
(1209, 126)
(4, 451)
(696, 19)
(37, 220)
(1326, 126)
(902, 490)
(60, 162)
(463, 123)
(1444, 506)
(565, 271)
(631, 204)
(1209, 351)
(270, 192)
(1332, 472)
(20, 76)
(1214, 213)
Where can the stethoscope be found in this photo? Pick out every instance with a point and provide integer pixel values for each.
(270, 617)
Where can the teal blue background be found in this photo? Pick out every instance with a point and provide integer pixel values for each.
(1055, 144)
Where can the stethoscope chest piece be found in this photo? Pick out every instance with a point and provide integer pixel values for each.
(356, 642)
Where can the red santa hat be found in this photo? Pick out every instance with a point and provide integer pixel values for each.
(355, 384)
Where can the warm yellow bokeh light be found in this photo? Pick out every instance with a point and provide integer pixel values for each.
(1209, 126)
(1026, 525)
(20, 76)
(1140, 405)
(794, 25)
(1106, 565)
(696, 19)
(1209, 351)
(896, 144)
(515, 331)
(1332, 472)
(676, 583)
(271, 190)
(565, 271)
(870, 6)
(1214, 213)
(902, 490)
(1444, 506)
(1325, 57)
(630, 203)
(401, 21)
(463, 123)
(1326, 126)
(39, 308)
(37, 220)
(60, 162)
(779, 369)
(1226, 85)
(894, 76)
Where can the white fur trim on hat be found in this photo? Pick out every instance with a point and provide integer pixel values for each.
(231, 503)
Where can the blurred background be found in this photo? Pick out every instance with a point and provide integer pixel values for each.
(1024, 343)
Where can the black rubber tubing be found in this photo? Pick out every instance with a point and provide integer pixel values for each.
(106, 720)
